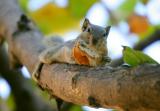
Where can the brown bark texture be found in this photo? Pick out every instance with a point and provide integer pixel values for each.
(130, 89)
(22, 90)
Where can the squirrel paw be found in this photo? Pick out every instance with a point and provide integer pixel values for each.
(106, 59)
(35, 76)
(84, 47)
(36, 72)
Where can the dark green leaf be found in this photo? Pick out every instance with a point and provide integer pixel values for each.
(134, 57)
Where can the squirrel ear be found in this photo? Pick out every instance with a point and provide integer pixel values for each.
(86, 23)
(107, 30)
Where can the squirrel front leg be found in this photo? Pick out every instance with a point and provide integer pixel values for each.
(36, 72)
(107, 59)
(84, 47)
(58, 53)
(47, 56)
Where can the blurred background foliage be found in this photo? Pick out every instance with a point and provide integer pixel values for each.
(135, 23)
(52, 17)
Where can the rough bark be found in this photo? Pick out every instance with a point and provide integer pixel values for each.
(130, 89)
(22, 90)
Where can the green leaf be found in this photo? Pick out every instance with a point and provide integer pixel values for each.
(135, 58)
(24, 5)
(10, 102)
(125, 9)
(149, 31)
(51, 18)
(76, 108)
(79, 8)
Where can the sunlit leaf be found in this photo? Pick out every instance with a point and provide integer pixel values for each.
(51, 18)
(79, 8)
(10, 102)
(149, 31)
(76, 108)
(24, 4)
(134, 57)
(138, 24)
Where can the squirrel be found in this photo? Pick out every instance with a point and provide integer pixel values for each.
(89, 48)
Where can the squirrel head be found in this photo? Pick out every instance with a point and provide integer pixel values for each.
(95, 34)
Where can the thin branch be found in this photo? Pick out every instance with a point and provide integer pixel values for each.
(136, 89)
(149, 40)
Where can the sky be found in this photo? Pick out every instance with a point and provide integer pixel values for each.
(118, 35)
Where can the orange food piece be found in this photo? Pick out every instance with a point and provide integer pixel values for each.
(138, 24)
(80, 56)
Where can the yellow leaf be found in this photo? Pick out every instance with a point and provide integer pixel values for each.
(51, 18)
(138, 24)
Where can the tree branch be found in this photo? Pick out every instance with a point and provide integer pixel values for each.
(149, 40)
(24, 97)
(135, 89)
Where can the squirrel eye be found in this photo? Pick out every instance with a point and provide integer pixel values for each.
(88, 30)
(104, 34)
(84, 28)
